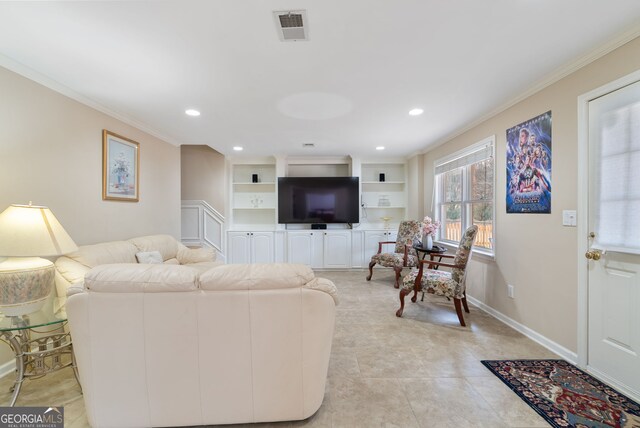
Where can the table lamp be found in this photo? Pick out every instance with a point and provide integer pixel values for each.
(27, 232)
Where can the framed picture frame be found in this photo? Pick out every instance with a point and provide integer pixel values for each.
(120, 168)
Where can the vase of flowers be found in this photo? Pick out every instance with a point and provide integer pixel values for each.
(429, 228)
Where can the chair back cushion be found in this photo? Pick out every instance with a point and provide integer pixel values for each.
(462, 257)
(408, 233)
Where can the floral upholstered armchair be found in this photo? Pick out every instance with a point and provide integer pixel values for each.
(404, 255)
(442, 283)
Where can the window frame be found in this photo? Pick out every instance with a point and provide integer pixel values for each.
(466, 204)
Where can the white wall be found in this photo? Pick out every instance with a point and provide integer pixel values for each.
(51, 154)
(534, 252)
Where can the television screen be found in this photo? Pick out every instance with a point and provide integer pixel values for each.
(318, 200)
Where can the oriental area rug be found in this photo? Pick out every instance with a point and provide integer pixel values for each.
(564, 395)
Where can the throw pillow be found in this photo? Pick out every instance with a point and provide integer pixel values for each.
(149, 257)
(196, 255)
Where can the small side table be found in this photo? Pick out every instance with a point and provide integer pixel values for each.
(433, 252)
(43, 354)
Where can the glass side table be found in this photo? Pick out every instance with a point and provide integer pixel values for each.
(42, 354)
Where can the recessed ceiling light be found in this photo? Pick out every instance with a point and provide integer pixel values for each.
(416, 112)
(237, 148)
(380, 148)
(192, 112)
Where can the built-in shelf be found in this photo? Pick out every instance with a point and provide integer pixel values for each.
(392, 191)
(246, 194)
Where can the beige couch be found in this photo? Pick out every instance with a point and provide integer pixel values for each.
(160, 345)
(71, 269)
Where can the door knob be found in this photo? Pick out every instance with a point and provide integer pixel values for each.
(593, 255)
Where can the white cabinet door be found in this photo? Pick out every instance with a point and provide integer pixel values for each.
(239, 247)
(337, 249)
(371, 240)
(300, 247)
(317, 250)
(262, 247)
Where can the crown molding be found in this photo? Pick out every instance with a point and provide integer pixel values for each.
(58, 87)
(559, 74)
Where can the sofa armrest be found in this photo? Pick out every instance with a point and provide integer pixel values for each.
(325, 285)
(68, 273)
(76, 288)
(187, 255)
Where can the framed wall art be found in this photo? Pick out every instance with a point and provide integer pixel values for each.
(120, 168)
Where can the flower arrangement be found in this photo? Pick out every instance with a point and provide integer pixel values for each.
(429, 227)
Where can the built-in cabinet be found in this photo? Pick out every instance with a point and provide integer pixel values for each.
(250, 247)
(319, 248)
(254, 236)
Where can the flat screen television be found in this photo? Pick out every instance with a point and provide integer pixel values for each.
(318, 200)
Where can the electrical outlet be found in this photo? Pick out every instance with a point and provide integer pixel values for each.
(510, 289)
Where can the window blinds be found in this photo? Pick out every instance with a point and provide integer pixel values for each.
(468, 157)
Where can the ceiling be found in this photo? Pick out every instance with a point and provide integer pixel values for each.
(346, 90)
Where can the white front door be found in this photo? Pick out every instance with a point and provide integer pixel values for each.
(614, 226)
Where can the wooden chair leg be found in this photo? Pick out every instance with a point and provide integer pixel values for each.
(403, 293)
(398, 271)
(458, 305)
(371, 265)
(464, 302)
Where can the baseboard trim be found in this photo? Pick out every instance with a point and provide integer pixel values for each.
(568, 355)
(623, 388)
(8, 368)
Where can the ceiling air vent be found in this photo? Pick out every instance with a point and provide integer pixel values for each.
(308, 145)
(292, 25)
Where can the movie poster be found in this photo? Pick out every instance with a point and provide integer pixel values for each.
(529, 166)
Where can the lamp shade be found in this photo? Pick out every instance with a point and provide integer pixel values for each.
(29, 230)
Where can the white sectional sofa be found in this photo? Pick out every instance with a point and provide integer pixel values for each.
(160, 345)
(71, 269)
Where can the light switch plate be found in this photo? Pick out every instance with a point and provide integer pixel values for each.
(569, 218)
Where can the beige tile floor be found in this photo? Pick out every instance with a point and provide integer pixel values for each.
(419, 370)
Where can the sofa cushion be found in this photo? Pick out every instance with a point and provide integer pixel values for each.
(258, 276)
(149, 257)
(166, 244)
(138, 278)
(104, 253)
(195, 255)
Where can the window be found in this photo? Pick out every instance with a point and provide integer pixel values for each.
(464, 194)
